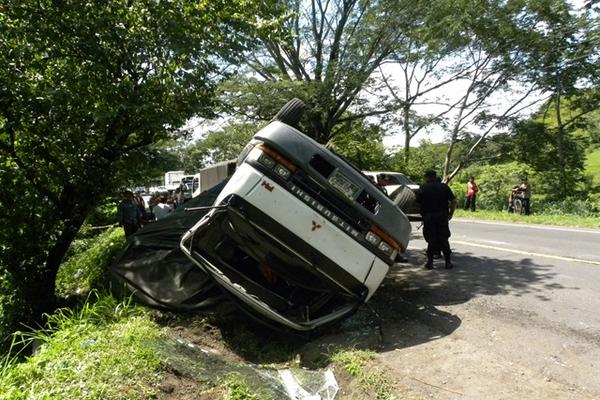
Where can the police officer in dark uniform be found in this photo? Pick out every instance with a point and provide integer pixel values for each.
(437, 207)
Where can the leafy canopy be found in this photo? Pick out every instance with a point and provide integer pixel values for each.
(83, 85)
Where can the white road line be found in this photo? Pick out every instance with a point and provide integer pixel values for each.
(526, 253)
(542, 227)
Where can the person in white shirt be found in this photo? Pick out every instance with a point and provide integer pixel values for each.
(162, 209)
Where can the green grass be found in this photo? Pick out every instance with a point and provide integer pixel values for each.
(85, 269)
(592, 166)
(97, 352)
(371, 380)
(238, 389)
(542, 219)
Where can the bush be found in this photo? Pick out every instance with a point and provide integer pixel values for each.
(568, 206)
(104, 214)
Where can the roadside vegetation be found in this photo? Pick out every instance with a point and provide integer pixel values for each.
(102, 97)
(542, 219)
(96, 351)
(359, 364)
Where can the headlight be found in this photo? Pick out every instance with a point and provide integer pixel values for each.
(282, 171)
(372, 238)
(266, 161)
(386, 248)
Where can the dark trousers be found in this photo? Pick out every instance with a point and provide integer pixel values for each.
(436, 232)
(130, 228)
(526, 206)
(470, 202)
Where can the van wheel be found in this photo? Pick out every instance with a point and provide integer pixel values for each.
(404, 198)
(291, 112)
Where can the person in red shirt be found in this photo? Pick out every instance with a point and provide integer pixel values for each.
(472, 190)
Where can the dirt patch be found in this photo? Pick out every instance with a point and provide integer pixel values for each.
(175, 386)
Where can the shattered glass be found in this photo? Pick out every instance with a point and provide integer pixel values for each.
(269, 383)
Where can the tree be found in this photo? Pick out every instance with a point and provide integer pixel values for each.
(362, 145)
(82, 86)
(541, 46)
(556, 153)
(330, 50)
(222, 145)
(565, 51)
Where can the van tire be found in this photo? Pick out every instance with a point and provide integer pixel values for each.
(404, 198)
(291, 112)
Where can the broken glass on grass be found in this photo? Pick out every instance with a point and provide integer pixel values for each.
(266, 383)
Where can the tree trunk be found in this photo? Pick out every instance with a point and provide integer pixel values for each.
(407, 137)
(563, 186)
(38, 289)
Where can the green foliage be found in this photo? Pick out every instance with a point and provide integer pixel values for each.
(96, 352)
(142, 166)
(560, 155)
(11, 307)
(495, 183)
(592, 166)
(568, 206)
(238, 389)
(86, 270)
(104, 214)
(362, 145)
(426, 156)
(543, 219)
(84, 95)
(222, 145)
(326, 56)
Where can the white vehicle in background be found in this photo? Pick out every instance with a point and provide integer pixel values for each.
(173, 179)
(210, 176)
(298, 237)
(400, 188)
(391, 180)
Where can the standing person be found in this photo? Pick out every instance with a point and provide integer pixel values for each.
(142, 206)
(472, 190)
(130, 215)
(162, 209)
(525, 189)
(437, 207)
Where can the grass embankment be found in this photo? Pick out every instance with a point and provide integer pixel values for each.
(109, 349)
(592, 166)
(97, 352)
(87, 261)
(543, 219)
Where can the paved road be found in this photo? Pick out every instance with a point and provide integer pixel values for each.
(519, 316)
(552, 242)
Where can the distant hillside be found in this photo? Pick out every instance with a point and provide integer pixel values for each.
(592, 165)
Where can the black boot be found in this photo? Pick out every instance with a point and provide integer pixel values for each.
(449, 264)
(429, 263)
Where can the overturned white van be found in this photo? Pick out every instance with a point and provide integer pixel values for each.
(298, 236)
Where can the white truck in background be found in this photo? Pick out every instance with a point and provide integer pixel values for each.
(173, 179)
(210, 176)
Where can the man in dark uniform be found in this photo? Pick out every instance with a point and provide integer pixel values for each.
(437, 207)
